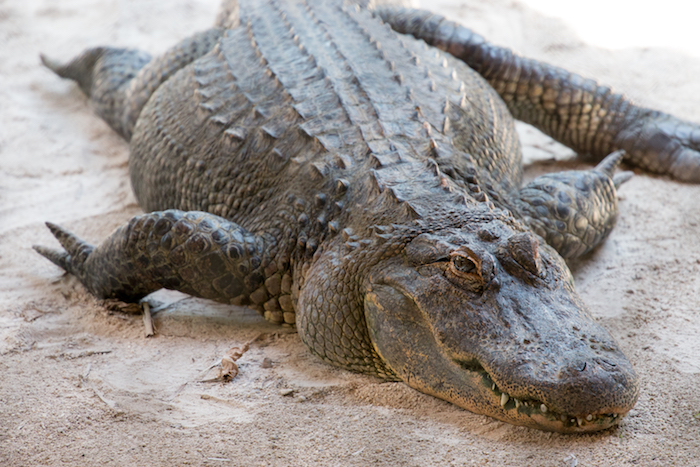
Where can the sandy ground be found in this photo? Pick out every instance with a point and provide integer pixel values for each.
(82, 386)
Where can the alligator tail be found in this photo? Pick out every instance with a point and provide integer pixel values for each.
(104, 74)
(119, 82)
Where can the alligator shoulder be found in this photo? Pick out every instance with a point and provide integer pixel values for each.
(316, 162)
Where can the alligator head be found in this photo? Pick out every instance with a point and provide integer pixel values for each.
(489, 320)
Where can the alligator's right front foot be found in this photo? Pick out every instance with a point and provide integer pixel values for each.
(73, 257)
(197, 253)
(574, 210)
(94, 268)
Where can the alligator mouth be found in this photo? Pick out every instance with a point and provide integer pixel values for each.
(534, 408)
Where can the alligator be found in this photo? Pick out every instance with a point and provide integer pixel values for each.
(354, 171)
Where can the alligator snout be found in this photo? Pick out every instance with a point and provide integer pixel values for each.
(561, 371)
(597, 386)
(598, 379)
(527, 352)
(565, 391)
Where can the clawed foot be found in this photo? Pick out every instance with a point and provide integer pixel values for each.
(608, 166)
(575, 210)
(74, 255)
(663, 144)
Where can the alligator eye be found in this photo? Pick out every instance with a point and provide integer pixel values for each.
(464, 264)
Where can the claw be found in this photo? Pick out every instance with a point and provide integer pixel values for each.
(76, 250)
(51, 64)
(610, 163)
(59, 258)
(73, 245)
(79, 69)
(622, 177)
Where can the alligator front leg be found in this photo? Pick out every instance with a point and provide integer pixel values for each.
(578, 112)
(574, 211)
(194, 252)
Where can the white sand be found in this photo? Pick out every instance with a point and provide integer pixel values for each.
(63, 401)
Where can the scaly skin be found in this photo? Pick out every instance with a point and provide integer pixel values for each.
(578, 112)
(305, 160)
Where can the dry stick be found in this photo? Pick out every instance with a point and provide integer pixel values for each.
(110, 403)
(147, 320)
(227, 364)
(85, 382)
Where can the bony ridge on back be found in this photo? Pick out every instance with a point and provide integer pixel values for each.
(315, 162)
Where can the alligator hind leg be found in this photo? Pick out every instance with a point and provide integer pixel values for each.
(575, 111)
(119, 82)
(194, 252)
(573, 211)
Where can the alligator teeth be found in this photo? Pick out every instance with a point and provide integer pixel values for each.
(589, 417)
(504, 399)
(579, 421)
(517, 403)
(543, 408)
(493, 387)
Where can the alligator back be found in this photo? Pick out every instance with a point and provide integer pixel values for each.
(303, 94)
(360, 185)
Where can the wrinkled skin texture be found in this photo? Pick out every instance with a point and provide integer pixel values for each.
(485, 329)
(307, 161)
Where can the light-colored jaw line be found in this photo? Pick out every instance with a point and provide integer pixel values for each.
(542, 416)
(439, 346)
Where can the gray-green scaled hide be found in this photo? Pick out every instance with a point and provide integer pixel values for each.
(316, 162)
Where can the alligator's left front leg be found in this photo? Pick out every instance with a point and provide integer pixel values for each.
(574, 211)
(575, 111)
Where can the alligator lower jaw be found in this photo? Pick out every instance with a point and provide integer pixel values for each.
(535, 413)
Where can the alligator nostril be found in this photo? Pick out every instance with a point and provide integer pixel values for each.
(606, 364)
(573, 370)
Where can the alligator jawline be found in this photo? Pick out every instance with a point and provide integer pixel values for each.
(531, 407)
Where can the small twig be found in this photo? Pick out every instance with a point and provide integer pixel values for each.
(227, 364)
(207, 397)
(111, 404)
(147, 320)
(179, 390)
(86, 353)
(87, 372)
